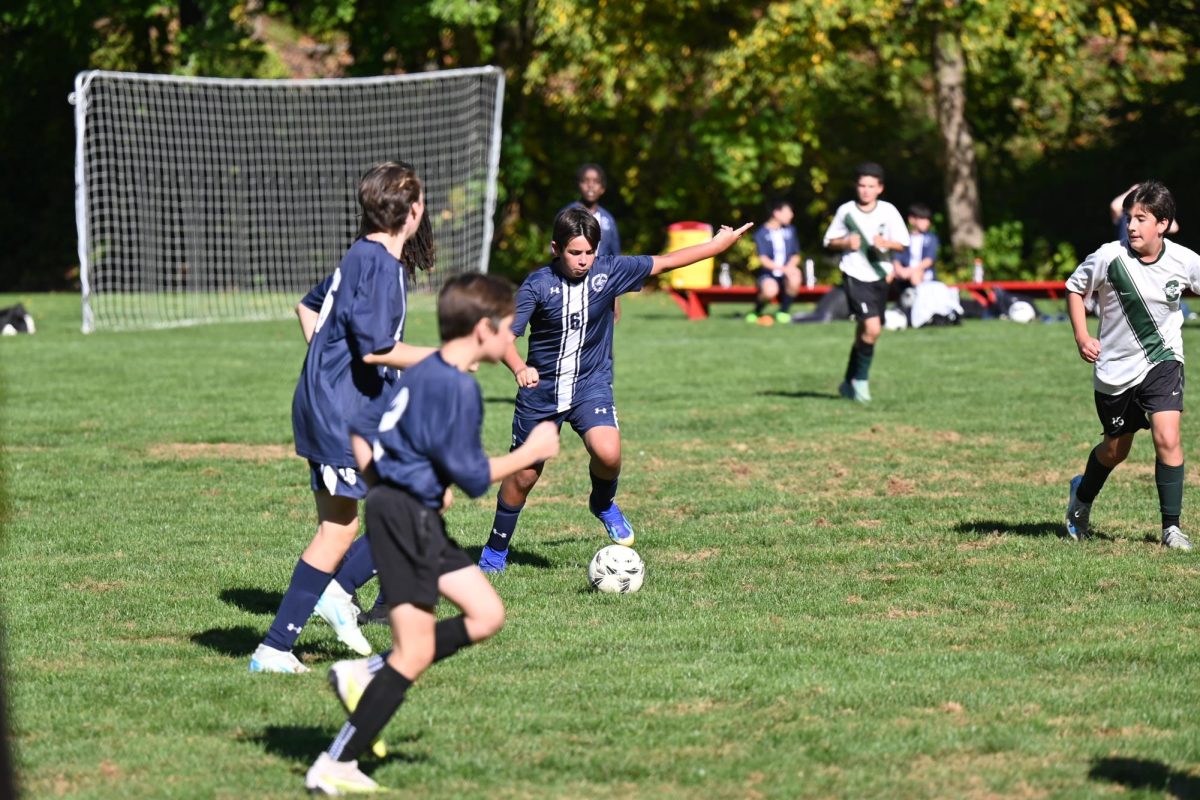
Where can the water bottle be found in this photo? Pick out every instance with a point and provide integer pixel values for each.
(977, 276)
(810, 273)
(725, 279)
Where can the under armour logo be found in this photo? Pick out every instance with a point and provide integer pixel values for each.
(294, 628)
(602, 410)
(1118, 422)
(555, 290)
(500, 534)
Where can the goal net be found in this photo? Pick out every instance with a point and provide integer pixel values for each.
(206, 199)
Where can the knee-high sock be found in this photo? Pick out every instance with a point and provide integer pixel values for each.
(603, 492)
(504, 525)
(1094, 476)
(852, 363)
(379, 703)
(785, 301)
(862, 364)
(297, 606)
(450, 636)
(357, 568)
(1170, 492)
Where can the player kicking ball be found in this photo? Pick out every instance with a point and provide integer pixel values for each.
(567, 374)
(1139, 355)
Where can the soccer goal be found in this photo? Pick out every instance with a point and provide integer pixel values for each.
(206, 199)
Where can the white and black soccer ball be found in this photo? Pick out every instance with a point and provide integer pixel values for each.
(616, 569)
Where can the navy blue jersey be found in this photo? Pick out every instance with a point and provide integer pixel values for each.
(571, 329)
(425, 432)
(362, 312)
(610, 240)
(316, 295)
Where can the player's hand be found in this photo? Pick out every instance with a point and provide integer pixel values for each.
(880, 242)
(447, 500)
(853, 241)
(527, 377)
(543, 440)
(727, 235)
(1089, 349)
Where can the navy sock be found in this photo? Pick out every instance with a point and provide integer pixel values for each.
(1094, 476)
(504, 525)
(379, 703)
(358, 567)
(785, 302)
(759, 306)
(297, 606)
(603, 492)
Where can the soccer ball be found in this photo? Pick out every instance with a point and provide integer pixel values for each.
(616, 569)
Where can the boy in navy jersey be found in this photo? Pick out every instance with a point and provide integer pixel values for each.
(354, 352)
(1138, 378)
(568, 306)
(412, 444)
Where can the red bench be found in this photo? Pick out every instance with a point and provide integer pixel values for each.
(695, 302)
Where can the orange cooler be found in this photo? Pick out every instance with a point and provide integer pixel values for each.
(686, 234)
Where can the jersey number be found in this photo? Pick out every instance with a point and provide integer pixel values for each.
(576, 321)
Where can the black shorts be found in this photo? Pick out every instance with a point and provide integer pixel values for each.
(1160, 390)
(410, 546)
(866, 298)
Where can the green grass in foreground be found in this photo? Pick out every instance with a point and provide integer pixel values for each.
(841, 602)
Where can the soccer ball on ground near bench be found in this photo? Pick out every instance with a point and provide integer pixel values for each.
(616, 569)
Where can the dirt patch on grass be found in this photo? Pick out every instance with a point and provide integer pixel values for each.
(221, 451)
(93, 586)
(698, 555)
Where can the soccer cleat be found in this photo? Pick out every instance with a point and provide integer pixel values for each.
(349, 680)
(1079, 513)
(336, 607)
(337, 778)
(268, 659)
(783, 317)
(493, 560)
(618, 528)
(375, 615)
(856, 390)
(1175, 539)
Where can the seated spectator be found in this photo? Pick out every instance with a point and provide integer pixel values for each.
(779, 257)
(915, 264)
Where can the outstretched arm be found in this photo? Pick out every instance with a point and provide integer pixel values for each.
(402, 356)
(723, 240)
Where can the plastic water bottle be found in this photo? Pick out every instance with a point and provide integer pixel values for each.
(725, 278)
(977, 276)
(810, 273)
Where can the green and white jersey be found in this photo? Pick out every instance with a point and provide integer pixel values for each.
(866, 263)
(1140, 320)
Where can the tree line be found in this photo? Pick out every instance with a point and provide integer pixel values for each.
(1015, 121)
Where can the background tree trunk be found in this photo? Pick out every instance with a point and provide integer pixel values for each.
(962, 183)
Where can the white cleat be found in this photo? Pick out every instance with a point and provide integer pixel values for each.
(268, 659)
(1175, 539)
(336, 607)
(337, 778)
(349, 680)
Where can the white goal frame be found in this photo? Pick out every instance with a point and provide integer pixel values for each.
(209, 199)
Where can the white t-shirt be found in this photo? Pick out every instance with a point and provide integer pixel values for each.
(1140, 321)
(884, 220)
(778, 248)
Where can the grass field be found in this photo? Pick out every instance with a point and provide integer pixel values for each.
(841, 601)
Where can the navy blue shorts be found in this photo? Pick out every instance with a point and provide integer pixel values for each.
(762, 273)
(599, 411)
(338, 481)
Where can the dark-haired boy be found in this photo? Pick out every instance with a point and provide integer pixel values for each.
(593, 183)
(868, 231)
(1138, 377)
(778, 274)
(419, 438)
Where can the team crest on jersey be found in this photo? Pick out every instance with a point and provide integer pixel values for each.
(598, 282)
(1172, 289)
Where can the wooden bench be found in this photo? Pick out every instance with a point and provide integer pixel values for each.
(695, 302)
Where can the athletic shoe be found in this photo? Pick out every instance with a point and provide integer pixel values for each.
(268, 659)
(376, 615)
(337, 778)
(618, 528)
(752, 318)
(336, 607)
(1175, 539)
(493, 560)
(783, 316)
(856, 390)
(349, 680)
(1079, 513)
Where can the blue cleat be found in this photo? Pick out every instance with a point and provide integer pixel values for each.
(1078, 513)
(618, 528)
(493, 560)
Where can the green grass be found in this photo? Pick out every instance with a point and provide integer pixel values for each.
(841, 601)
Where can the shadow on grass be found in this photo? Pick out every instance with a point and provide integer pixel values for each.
(1140, 773)
(800, 394)
(991, 527)
(303, 743)
(255, 601)
(240, 641)
(514, 557)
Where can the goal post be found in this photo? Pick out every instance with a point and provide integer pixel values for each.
(209, 199)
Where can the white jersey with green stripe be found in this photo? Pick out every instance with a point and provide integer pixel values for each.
(866, 263)
(1140, 320)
